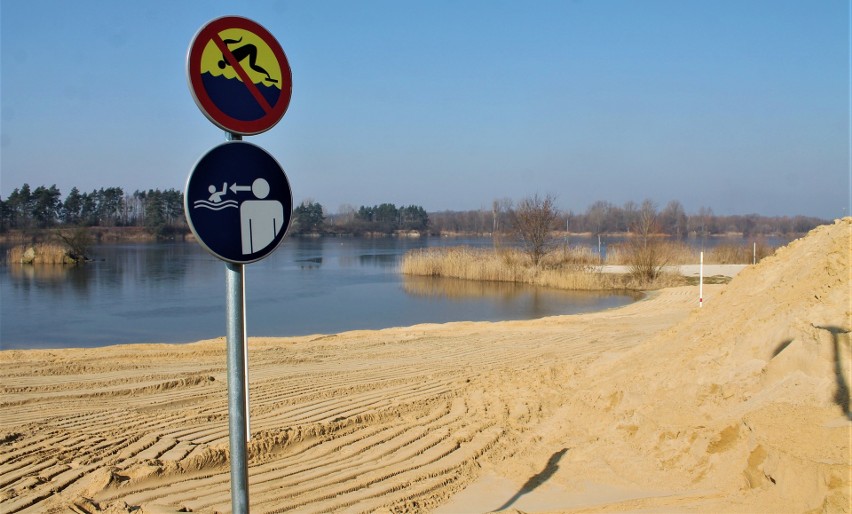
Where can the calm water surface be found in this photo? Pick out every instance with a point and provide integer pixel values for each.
(175, 292)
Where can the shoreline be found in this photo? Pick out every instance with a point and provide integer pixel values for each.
(420, 372)
(657, 405)
(137, 234)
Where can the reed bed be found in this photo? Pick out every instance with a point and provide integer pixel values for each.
(738, 254)
(670, 253)
(39, 253)
(570, 269)
(675, 253)
(575, 268)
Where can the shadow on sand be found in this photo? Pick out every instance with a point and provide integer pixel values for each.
(537, 479)
(840, 336)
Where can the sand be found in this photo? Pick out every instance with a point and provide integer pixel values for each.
(659, 406)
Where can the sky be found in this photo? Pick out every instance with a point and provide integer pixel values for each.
(742, 106)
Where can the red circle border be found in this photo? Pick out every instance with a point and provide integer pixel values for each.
(199, 93)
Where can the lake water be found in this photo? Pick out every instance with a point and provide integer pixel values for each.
(175, 292)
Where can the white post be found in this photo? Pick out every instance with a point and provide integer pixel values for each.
(754, 253)
(701, 281)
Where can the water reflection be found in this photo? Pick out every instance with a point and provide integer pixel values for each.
(25, 274)
(53, 279)
(175, 293)
(457, 289)
(379, 260)
(312, 263)
(518, 301)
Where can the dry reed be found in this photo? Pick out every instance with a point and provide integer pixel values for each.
(570, 269)
(40, 253)
(675, 253)
(670, 252)
(738, 254)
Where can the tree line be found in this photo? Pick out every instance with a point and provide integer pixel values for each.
(607, 218)
(160, 212)
(598, 219)
(310, 218)
(604, 217)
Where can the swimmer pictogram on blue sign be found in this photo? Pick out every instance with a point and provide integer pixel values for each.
(238, 202)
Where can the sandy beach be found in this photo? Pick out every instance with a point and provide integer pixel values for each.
(742, 405)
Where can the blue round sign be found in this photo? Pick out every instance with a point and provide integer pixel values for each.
(238, 202)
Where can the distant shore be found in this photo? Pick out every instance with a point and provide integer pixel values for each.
(98, 235)
(140, 235)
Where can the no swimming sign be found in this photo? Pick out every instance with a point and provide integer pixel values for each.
(238, 75)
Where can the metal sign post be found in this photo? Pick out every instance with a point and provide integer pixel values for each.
(237, 200)
(237, 384)
(238, 398)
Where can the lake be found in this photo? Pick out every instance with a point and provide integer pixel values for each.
(175, 292)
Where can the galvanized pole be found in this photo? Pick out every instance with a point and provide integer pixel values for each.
(230, 136)
(237, 380)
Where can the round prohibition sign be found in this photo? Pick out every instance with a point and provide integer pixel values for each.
(239, 75)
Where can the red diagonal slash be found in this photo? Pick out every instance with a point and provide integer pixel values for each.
(252, 87)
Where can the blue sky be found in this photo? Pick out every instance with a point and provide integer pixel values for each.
(741, 106)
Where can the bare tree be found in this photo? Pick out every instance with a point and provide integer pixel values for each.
(599, 216)
(345, 214)
(646, 221)
(647, 259)
(673, 220)
(499, 209)
(533, 220)
(630, 213)
(78, 240)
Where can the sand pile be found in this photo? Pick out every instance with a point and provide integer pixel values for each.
(752, 392)
(742, 405)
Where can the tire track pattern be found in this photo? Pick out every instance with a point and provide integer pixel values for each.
(393, 419)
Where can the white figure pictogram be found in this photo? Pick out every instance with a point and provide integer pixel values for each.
(260, 220)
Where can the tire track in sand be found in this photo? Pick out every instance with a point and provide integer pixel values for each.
(366, 420)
